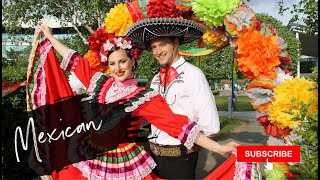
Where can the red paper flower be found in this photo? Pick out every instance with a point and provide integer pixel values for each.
(98, 38)
(162, 9)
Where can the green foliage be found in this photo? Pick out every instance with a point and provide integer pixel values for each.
(307, 132)
(215, 92)
(14, 114)
(294, 45)
(314, 75)
(32, 12)
(308, 12)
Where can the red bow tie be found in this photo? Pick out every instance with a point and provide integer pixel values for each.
(171, 75)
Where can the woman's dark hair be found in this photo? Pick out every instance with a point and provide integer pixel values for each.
(130, 53)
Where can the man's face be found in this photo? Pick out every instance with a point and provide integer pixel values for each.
(165, 50)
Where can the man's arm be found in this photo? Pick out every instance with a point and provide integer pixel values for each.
(204, 104)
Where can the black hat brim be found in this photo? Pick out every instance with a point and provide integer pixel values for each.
(144, 31)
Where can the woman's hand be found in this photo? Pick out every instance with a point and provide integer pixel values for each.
(47, 31)
(229, 147)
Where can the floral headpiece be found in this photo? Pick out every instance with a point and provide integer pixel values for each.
(101, 42)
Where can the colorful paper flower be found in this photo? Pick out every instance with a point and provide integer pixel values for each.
(95, 62)
(162, 9)
(213, 11)
(257, 55)
(215, 37)
(281, 76)
(118, 20)
(239, 21)
(298, 89)
(98, 38)
(135, 11)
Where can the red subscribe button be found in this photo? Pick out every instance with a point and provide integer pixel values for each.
(272, 153)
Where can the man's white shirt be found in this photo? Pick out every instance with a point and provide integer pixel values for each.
(188, 94)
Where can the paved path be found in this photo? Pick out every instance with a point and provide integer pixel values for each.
(247, 134)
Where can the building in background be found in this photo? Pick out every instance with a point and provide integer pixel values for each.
(309, 52)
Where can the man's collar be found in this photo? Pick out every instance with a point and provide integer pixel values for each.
(180, 61)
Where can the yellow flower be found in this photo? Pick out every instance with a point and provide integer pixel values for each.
(118, 20)
(215, 38)
(298, 89)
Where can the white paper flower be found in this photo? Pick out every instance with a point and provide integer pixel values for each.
(281, 76)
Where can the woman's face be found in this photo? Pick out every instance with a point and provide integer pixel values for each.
(120, 65)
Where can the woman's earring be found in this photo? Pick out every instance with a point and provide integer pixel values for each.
(134, 67)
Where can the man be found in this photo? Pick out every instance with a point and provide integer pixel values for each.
(182, 85)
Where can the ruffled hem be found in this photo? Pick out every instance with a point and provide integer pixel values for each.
(141, 101)
(93, 82)
(190, 134)
(137, 169)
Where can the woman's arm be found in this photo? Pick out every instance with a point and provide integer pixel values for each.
(61, 48)
(158, 113)
(72, 61)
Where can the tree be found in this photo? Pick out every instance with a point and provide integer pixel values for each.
(89, 14)
(308, 11)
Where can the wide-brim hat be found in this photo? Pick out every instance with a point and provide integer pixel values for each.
(142, 32)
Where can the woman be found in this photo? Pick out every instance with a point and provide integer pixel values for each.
(125, 158)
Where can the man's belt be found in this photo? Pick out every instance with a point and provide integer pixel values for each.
(172, 150)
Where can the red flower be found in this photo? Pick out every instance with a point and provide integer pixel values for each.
(162, 9)
(273, 31)
(290, 175)
(275, 131)
(257, 25)
(98, 38)
(264, 120)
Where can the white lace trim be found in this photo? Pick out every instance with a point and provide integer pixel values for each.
(141, 101)
(76, 85)
(66, 59)
(192, 136)
(139, 173)
(93, 82)
(117, 92)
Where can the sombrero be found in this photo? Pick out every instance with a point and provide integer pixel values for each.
(142, 32)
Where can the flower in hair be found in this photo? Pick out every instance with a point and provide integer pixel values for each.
(126, 44)
(118, 41)
(108, 46)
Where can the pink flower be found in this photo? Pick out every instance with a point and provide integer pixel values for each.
(118, 41)
(126, 45)
(108, 46)
(103, 58)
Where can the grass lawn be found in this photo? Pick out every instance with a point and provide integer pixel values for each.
(229, 124)
(242, 103)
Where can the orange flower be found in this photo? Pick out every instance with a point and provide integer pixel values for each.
(262, 107)
(94, 61)
(263, 83)
(257, 55)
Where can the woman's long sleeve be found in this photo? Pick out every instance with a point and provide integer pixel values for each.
(72, 61)
(158, 113)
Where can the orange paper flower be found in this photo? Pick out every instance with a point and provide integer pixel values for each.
(257, 55)
(263, 83)
(95, 62)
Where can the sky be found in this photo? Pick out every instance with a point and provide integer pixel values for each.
(271, 7)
